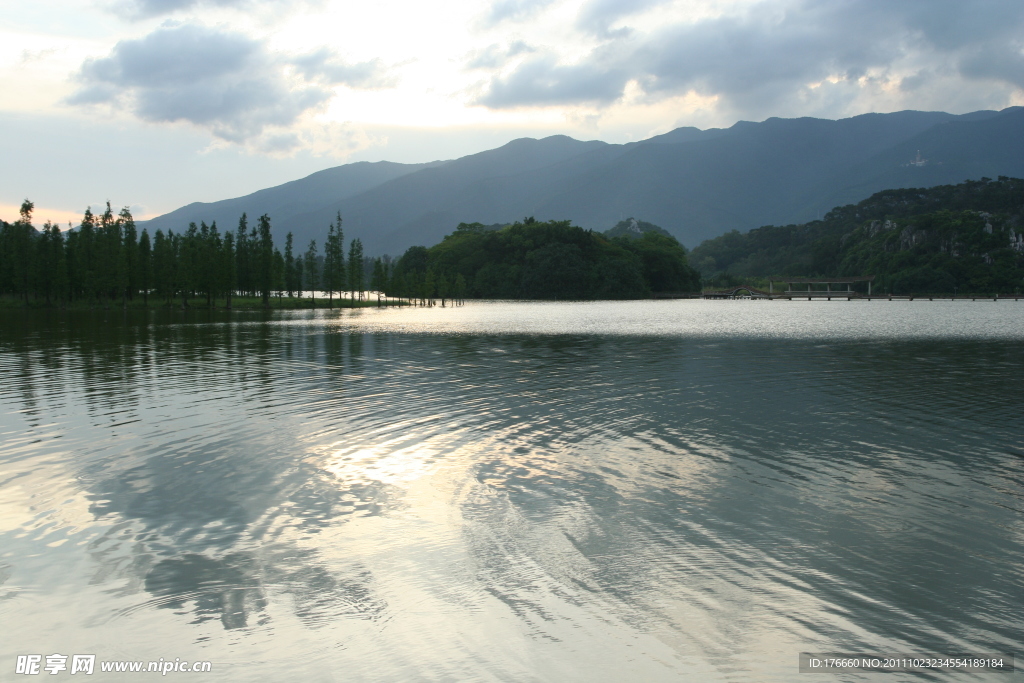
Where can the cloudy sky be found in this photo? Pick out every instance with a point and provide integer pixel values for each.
(157, 103)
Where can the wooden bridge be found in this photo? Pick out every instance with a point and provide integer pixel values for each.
(741, 292)
(815, 288)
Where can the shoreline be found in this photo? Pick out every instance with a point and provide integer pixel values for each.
(237, 304)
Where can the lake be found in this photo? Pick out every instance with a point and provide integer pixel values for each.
(611, 491)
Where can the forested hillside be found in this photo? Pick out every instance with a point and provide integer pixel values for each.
(967, 237)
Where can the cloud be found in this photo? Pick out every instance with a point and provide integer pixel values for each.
(147, 9)
(314, 138)
(597, 16)
(514, 10)
(496, 56)
(776, 51)
(324, 65)
(541, 81)
(30, 56)
(997, 62)
(225, 82)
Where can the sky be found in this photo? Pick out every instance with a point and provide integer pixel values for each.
(154, 104)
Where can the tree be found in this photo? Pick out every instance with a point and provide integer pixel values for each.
(70, 251)
(266, 259)
(300, 275)
(311, 271)
(111, 270)
(327, 273)
(187, 262)
(49, 261)
(443, 287)
(129, 252)
(207, 248)
(214, 253)
(164, 267)
(355, 268)
(428, 287)
(339, 256)
(230, 261)
(460, 288)
(254, 261)
(379, 279)
(278, 284)
(289, 266)
(145, 266)
(242, 256)
(334, 260)
(21, 248)
(89, 244)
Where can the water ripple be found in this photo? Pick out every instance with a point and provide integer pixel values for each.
(515, 492)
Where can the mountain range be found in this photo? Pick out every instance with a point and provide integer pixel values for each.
(697, 184)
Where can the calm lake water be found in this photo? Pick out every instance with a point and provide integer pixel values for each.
(642, 491)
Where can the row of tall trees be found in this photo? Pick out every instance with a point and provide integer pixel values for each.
(106, 259)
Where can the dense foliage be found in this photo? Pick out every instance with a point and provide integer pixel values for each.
(967, 238)
(545, 260)
(107, 259)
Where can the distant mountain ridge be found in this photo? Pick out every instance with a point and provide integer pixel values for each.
(697, 184)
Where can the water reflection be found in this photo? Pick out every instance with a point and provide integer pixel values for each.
(508, 505)
(227, 588)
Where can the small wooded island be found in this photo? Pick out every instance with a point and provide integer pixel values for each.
(548, 260)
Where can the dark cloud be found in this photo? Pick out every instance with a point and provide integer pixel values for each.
(176, 56)
(225, 82)
(773, 50)
(541, 81)
(513, 10)
(997, 62)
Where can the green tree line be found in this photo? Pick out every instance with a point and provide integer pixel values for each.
(106, 259)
